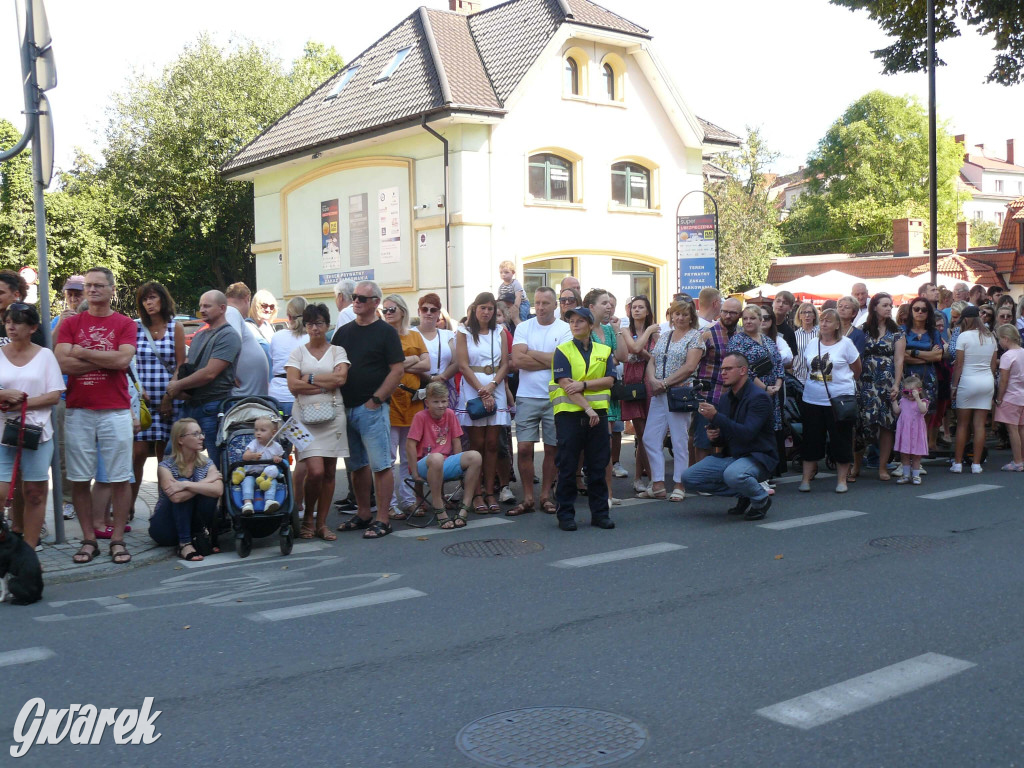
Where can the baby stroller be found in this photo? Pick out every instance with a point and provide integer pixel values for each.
(236, 430)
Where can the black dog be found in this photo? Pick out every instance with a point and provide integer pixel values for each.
(21, 574)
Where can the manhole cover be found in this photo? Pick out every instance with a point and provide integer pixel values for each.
(493, 548)
(908, 543)
(539, 737)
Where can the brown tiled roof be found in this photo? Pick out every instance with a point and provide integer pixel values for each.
(460, 60)
(718, 134)
(992, 164)
(960, 267)
(1008, 237)
(593, 15)
(1017, 276)
(867, 268)
(1000, 261)
(712, 171)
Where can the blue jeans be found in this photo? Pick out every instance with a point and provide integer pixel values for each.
(206, 415)
(171, 523)
(369, 438)
(722, 476)
(249, 488)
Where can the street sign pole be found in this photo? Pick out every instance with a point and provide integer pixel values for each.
(933, 171)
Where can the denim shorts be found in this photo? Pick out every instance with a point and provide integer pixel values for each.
(452, 467)
(34, 466)
(87, 434)
(369, 438)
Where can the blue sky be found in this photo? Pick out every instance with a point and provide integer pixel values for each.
(789, 68)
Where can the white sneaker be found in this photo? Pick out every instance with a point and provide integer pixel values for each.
(506, 496)
(247, 508)
(976, 469)
(955, 468)
(903, 480)
(618, 470)
(69, 511)
(271, 507)
(898, 472)
(638, 486)
(613, 501)
(917, 480)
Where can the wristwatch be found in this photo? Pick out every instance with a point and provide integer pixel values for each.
(377, 400)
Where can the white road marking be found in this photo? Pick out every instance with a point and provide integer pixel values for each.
(634, 500)
(827, 517)
(341, 604)
(835, 701)
(228, 555)
(618, 554)
(25, 656)
(966, 490)
(798, 478)
(434, 530)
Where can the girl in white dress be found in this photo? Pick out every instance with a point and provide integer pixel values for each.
(483, 361)
(973, 384)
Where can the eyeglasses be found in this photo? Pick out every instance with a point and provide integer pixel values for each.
(919, 309)
(268, 306)
(18, 306)
(389, 310)
(430, 310)
(569, 300)
(316, 324)
(97, 286)
(193, 434)
(363, 299)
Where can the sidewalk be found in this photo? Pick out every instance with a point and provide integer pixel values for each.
(56, 560)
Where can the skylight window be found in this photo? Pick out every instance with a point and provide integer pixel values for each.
(395, 62)
(349, 74)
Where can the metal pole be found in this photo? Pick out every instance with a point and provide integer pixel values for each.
(447, 220)
(933, 172)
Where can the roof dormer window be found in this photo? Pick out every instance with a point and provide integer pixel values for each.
(392, 65)
(345, 78)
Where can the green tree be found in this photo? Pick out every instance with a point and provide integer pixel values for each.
(984, 233)
(907, 21)
(749, 235)
(872, 167)
(17, 221)
(176, 219)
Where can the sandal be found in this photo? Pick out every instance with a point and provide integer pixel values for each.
(494, 507)
(548, 507)
(377, 530)
(81, 556)
(444, 522)
(122, 557)
(323, 532)
(421, 509)
(191, 556)
(355, 523)
(306, 530)
(463, 517)
(397, 514)
(651, 494)
(851, 478)
(481, 508)
(678, 494)
(522, 508)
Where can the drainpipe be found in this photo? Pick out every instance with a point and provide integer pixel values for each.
(447, 220)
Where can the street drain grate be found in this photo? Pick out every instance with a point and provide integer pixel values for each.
(493, 548)
(909, 543)
(545, 737)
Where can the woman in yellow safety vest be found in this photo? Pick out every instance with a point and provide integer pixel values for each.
(582, 373)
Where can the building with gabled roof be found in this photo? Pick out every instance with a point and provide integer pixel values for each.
(545, 132)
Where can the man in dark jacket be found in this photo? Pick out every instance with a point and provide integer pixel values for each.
(742, 430)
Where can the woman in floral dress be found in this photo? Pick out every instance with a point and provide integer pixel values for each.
(763, 356)
(881, 372)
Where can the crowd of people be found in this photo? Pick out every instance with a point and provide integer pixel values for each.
(734, 392)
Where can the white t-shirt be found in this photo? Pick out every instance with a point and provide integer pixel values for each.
(539, 338)
(267, 452)
(784, 351)
(840, 356)
(38, 376)
(281, 346)
(862, 317)
(347, 315)
(440, 355)
(251, 368)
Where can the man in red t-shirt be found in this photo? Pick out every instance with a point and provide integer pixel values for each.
(94, 349)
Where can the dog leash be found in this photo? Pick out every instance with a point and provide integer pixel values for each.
(17, 455)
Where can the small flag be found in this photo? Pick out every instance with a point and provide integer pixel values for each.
(296, 434)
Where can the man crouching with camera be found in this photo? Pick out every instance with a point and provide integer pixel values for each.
(742, 433)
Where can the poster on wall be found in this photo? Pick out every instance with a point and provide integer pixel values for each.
(359, 230)
(695, 249)
(389, 225)
(330, 248)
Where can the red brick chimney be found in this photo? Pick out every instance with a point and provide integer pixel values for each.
(963, 236)
(908, 237)
(464, 7)
(1009, 151)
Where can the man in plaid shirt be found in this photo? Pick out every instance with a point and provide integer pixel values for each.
(716, 339)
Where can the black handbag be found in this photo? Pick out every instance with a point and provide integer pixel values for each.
(683, 399)
(477, 410)
(17, 432)
(844, 407)
(637, 391)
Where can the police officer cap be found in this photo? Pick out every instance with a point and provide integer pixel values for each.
(583, 312)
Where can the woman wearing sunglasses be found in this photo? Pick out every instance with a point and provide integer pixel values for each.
(924, 349)
(440, 344)
(262, 312)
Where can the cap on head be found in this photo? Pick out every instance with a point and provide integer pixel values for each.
(583, 312)
(74, 283)
(970, 311)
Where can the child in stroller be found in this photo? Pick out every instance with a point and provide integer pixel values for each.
(261, 447)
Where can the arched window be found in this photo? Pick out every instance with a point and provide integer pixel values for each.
(631, 185)
(551, 178)
(609, 81)
(572, 76)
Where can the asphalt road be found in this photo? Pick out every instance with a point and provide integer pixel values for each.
(901, 652)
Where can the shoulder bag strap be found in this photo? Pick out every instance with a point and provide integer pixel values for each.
(824, 376)
(152, 345)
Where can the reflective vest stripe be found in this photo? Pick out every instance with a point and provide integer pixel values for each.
(597, 369)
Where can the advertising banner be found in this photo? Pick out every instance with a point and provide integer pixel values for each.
(330, 246)
(695, 250)
(389, 225)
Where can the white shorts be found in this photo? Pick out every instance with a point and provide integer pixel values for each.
(107, 433)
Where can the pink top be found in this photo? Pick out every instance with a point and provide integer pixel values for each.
(1013, 361)
(434, 436)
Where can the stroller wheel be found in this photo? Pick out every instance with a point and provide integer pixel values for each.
(243, 545)
(287, 541)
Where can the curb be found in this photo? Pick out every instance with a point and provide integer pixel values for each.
(100, 570)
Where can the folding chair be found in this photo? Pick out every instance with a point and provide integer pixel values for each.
(422, 492)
